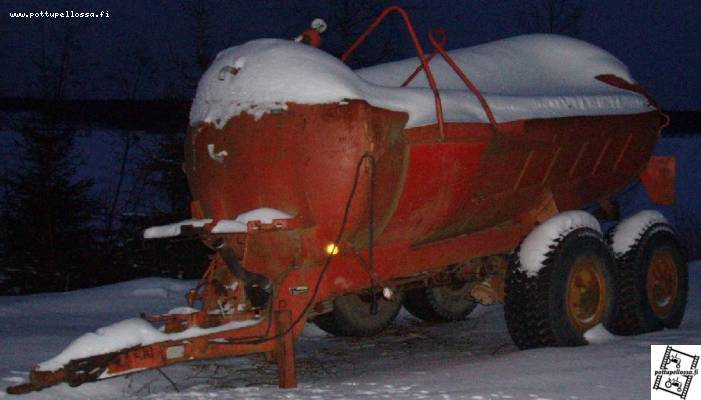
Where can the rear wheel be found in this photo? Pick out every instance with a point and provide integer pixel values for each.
(351, 315)
(653, 282)
(440, 304)
(572, 292)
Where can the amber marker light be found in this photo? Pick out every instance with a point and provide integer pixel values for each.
(331, 249)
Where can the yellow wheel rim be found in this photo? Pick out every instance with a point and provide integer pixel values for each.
(662, 283)
(586, 294)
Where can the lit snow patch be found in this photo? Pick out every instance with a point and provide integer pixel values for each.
(150, 292)
(538, 242)
(174, 229)
(240, 224)
(627, 233)
(229, 226)
(216, 156)
(182, 311)
(522, 77)
(125, 334)
(598, 335)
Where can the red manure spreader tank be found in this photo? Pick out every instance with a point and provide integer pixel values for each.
(436, 183)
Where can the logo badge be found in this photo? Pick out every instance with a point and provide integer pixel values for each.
(673, 371)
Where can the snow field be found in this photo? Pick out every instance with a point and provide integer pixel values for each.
(474, 359)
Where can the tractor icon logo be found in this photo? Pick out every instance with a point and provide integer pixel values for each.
(674, 360)
(671, 382)
(675, 374)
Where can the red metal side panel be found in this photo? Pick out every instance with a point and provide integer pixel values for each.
(439, 180)
(658, 178)
(477, 178)
(428, 189)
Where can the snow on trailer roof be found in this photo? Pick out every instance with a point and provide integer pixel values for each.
(524, 77)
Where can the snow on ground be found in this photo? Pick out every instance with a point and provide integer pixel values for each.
(474, 359)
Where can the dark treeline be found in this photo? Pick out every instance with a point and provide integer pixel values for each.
(162, 115)
(61, 229)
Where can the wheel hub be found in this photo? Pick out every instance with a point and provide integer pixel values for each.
(452, 297)
(586, 294)
(662, 283)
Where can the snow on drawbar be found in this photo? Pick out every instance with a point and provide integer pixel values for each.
(238, 225)
(125, 334)
(264, 215)
(174, 229)
(525, 77)
(627, 233)
(538, 243)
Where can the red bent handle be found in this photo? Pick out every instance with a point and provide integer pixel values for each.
(419, 50)
(439, 48)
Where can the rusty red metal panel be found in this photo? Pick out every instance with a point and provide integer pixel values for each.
(658, 179)
(302, 160)
(438, 180)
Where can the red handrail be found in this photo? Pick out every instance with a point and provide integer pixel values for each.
(439, 48)
(419, 50)
(621, 83)
(420, 67)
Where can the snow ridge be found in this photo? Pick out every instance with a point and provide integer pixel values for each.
(629, 231)
(240, 224)
(125, 334)
(525, 77)
(174, 229)
(539, 242)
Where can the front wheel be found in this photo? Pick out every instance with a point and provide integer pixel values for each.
(571, 292)
(351, 315)
(440, 304)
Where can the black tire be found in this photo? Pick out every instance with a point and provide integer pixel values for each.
(439, 304)
(351, 316)
(536, 308)
(636, 313)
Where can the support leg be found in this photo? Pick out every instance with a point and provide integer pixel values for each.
(285, 353)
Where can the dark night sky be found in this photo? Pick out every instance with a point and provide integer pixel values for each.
(660, 40)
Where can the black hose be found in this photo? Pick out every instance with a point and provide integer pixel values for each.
(327, 262)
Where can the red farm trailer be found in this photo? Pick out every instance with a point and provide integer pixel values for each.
(337, 196)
